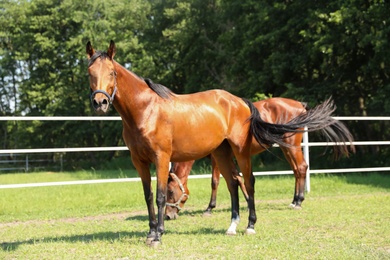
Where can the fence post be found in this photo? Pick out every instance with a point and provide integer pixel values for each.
(307, 159)
(61, 164)
(26, 163)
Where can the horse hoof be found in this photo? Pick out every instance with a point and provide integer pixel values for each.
(295, 206)
(207, 214)
(149, 240)
(155, 243)
(250, 231)
(231, 233)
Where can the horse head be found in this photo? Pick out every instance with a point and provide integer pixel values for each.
(102, 77)
(177, 196)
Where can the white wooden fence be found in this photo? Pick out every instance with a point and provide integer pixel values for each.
(305, 144)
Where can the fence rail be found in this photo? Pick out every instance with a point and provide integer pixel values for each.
(305, 144)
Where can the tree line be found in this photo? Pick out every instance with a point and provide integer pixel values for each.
(305, 50)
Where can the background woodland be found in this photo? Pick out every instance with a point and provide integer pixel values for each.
(305, 50)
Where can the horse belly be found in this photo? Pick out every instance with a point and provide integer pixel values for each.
(196, 143)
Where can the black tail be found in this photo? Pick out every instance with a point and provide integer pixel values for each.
(317, 118)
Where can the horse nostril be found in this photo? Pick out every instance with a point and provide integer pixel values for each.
(95, 103)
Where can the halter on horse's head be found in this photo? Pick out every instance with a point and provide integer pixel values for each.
(102, 86)
(178, 194)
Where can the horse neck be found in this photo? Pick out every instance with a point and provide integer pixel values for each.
(129, 100)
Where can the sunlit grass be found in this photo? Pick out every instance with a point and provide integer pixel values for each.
(344, 217)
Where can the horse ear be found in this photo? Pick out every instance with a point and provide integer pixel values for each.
(90, 50)
(111, 50)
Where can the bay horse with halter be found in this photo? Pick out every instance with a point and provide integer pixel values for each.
(160, 126)
(272, 110)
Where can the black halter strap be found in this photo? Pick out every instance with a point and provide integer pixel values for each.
(110, 98)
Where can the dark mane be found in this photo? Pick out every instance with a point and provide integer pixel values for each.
(160, 90)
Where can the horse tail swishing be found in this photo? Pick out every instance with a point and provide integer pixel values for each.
(317, 118)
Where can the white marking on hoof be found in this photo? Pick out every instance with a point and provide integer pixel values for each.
(232, 229)
(292, 205)
(250, 231)
(231, 232)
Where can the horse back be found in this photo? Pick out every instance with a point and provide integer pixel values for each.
(279, 110)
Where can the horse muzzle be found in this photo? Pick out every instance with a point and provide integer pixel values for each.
(101, 103)
(171, 213)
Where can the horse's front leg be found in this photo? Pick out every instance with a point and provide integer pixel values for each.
(162, 173)
(144, 173)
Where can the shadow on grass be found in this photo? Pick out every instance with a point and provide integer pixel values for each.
(87, 238)
(138, 217)
(192, 212)
(264, 206)
(380, 180)
(103, 236)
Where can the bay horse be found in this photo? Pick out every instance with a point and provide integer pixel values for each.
(160, 126)
(272, 110)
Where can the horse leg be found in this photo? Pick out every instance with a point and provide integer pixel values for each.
(299, 166)
(162, 173)
(144, 173)
(242, 186)
(224, 160)
(244, 162)
(214, 187)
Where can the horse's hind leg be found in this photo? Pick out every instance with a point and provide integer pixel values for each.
(224, 160)
(298, 164)
(244, 162)
(242, 186)
(214, 187)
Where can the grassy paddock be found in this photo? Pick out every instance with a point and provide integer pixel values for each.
(344, 217)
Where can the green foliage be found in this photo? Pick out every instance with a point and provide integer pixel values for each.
(306, 50)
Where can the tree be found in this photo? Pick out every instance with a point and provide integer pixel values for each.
(306, 50)
(43, 49)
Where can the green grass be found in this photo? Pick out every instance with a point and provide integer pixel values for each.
(343, 217)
